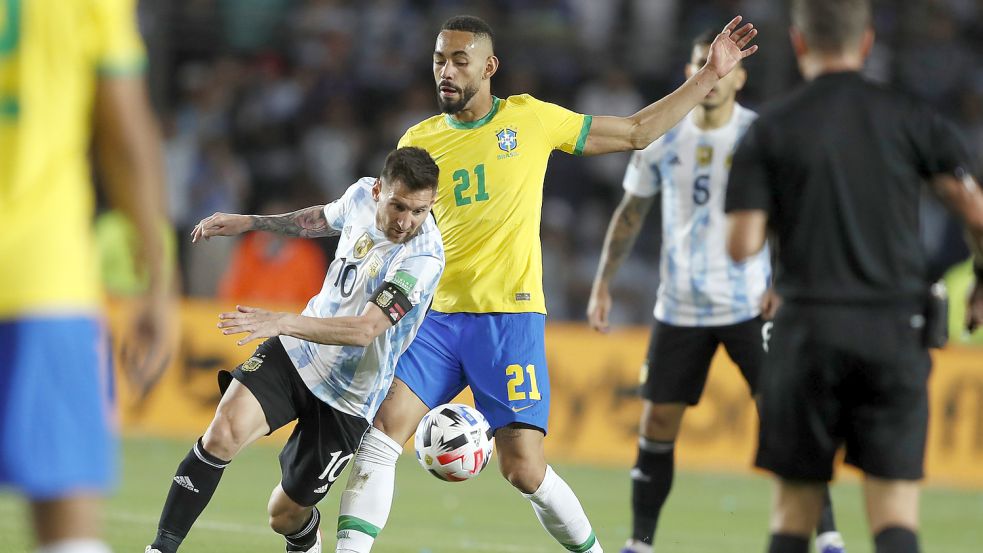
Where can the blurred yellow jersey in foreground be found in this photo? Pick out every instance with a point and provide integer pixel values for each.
(52, 54)
(490, 200)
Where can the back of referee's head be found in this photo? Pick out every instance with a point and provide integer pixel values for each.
(831, 27)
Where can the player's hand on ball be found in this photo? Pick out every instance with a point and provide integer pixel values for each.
(221, 224)
(730, 47)
(258, 323)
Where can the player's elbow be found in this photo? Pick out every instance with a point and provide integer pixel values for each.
(739, 250)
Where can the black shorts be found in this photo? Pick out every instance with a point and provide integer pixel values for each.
(844, 376)
(679, 358)
(324, 440)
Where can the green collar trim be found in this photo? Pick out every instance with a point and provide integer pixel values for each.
(467, 125)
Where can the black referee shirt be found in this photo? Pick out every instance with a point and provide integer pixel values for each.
(838, 167)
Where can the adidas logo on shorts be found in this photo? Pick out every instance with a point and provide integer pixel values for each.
(322, 489)
(185, 483)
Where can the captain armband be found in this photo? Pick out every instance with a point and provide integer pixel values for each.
(392, 300)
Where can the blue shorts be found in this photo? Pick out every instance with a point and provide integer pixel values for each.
(56, 418)
(501, 356)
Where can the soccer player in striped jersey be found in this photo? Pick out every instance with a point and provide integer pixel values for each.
(71, 77)
(486, 330)
(704, 298)
(329, 367)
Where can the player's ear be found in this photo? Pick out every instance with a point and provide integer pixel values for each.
(376, 189)
(491, 67)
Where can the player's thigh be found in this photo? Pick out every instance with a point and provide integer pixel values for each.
(505, 366)
(745, 344)
(400, 412)
(798, 408)
(55, 406)
(430, 367)
(239, 420)
(677, 363)
(272, 380)
(521, 457)
(322, 444)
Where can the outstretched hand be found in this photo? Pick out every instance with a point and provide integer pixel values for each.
(730, 47)
(221, 224)
(259, 323)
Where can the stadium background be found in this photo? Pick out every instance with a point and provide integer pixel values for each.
(272, 105)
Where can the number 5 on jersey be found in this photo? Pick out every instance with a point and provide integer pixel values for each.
(517, 379)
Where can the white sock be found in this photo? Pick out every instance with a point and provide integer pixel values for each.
(368, 497)
(76, 546)
(560, 513)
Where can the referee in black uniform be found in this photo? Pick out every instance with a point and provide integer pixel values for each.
(835, 170)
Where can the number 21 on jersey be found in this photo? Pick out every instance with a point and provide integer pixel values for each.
(462, 185)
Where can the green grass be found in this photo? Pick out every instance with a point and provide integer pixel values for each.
(705, 513)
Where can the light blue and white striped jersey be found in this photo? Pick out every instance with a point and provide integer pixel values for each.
(699, 284)
(354, 379)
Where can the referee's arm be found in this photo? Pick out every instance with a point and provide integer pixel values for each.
(749, 196)
(961, 193)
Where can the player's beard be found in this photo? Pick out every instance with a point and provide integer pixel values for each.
(452, 107)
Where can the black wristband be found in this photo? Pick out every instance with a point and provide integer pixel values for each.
(392, 300)
(978, 271)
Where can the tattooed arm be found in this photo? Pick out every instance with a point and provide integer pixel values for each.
(305, 223)
(622, 232)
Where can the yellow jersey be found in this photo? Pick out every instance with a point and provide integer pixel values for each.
(52, 53)
(490, 198)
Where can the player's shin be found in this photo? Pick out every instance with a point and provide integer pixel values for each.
(560, 513)
(651, 481)
(368, 497)
(192, 488)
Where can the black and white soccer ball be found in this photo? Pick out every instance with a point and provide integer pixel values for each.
(452, 442)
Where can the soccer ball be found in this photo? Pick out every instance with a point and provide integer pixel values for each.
(452, 442)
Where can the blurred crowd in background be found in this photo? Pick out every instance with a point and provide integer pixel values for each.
(272, 105)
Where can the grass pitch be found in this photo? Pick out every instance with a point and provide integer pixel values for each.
(704, 514)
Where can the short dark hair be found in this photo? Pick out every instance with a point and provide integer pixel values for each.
(411, 166)
(705, 38)
(470, 24)
(830, 26)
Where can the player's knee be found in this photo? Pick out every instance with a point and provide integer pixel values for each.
(662, 422)
(222, 439)
(523, 473)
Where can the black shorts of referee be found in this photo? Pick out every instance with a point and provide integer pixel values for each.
(844, 376)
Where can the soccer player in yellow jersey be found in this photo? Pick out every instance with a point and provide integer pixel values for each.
(70, 72)
(487, 324)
